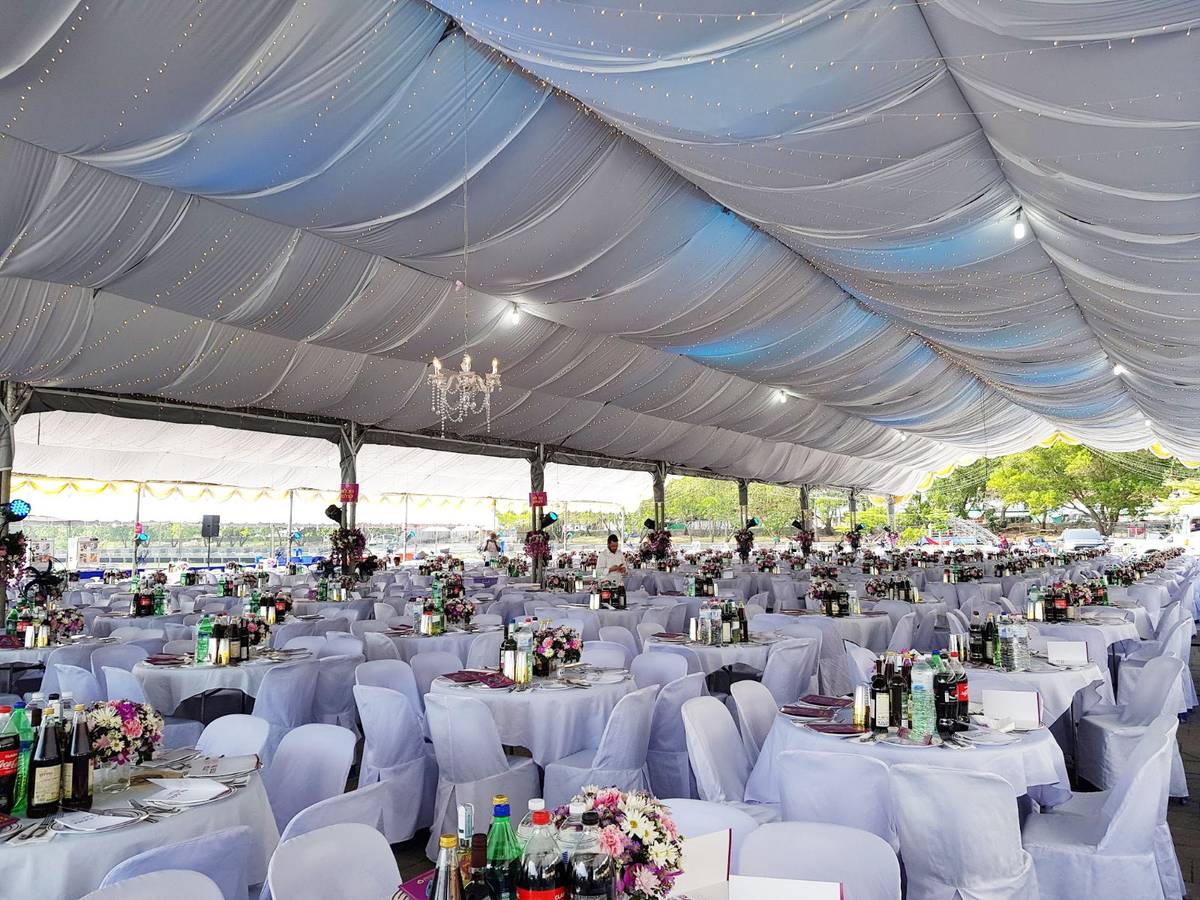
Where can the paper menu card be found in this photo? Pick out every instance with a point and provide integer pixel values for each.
(222, 766)
(705, 862)
(1067, 653)
(1022, 708)
(186, 791)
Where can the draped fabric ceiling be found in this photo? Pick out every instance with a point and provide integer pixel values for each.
(695, 206)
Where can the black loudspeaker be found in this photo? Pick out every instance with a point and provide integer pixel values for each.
(210, 527)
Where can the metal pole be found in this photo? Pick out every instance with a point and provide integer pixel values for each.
(404, 552)
(660, 494)
(743, 501)
(537, 484)
(853, 507)
(291, 527)
(137, 517)
(805, 511)
(891, 507)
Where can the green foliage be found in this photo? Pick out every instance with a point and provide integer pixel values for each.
(709, 506)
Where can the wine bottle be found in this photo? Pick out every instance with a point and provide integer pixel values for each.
(10, 754)
(45, 772)
(77, 768)
(446, 883)
(880, 699)
(477, 888)
(541, 874)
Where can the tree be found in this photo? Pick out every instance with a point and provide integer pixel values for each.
(1101, 486)
(962, 490)
(825, 511)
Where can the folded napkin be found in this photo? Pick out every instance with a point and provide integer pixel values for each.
(807, 712)
(463, 677)
(669, 635)
(836, 728)
(165, 660)
(495, 680)
(822, 700)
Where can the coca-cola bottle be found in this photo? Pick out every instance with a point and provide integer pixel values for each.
(542, 874)
(593, 875)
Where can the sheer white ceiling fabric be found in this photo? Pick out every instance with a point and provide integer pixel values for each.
(262, 204)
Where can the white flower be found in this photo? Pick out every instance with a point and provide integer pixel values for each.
(639, 826)
(659, 853)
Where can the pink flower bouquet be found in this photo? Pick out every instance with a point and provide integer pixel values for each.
(123, 731)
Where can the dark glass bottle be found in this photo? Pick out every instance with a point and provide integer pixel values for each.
(45, 772)
(976, 638)
(591, 871)
(945, 697)
(881, 714)
(541, 875)
(77, 768)
(989, 639)
(896, 700)
(478, 888)
(235, 642)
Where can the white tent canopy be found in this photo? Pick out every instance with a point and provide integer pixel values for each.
(941, 229)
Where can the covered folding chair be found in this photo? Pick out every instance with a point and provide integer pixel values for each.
(756, 711)
(603, 654)
(472, 766)
(618, 634)
(695, 818)
(117, 656)
(235, 735)
(364, 805)
(861, 862)
(619, 760)
(380, 646)
(657, 668)
(1115, 843)
(428, 666)
(178, 884)
(69, 655)
(333, 699)
(393, 674)
(771, 622)
(1107, 735)
(860, 661)
(285, 700)
(221, 855)
(80, 683)
(791, 670)
(784, 590)
(690, 656)
(310, 765)
(312, 643)
(341, 645)
(177, 732)
(718, 758)
(954, 849)
(395, 753)
(313, 866)
(667, 755)
(839, 788)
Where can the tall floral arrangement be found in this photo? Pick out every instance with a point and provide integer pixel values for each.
(348, 544)
(637, 831)
(537, 546)
(123, 731)
(64, 623)
(744, 538)
(657, 544)
(805, 539)
(854, 538)
(563, 643)
(12, 556)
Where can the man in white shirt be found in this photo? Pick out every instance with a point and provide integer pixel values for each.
(610, 559)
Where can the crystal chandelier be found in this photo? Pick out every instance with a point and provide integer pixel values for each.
(459, 394)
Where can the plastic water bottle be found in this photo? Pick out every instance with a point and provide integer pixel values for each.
(203, 639)
(570, 833)
(923, 711)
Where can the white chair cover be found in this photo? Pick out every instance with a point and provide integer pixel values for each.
(485, 650)
(1115, 853)
(361, 629)
(177, 732)
(313, 643)
(472, 766)
(70, 655)
(178, 884)
(861, 862)
(618, 634)
(394, 752)
(234, 735)
(619, 760)
(333, 700)
(221, 856)
(380, 646)
(783, 590)
(314, 865)
(690, 656)
(667, 756)
(772, 622)
(341, 645)
(860, 662)
(792, 667)
(395, 675)
(646, 629)
(281, 634)
(694, 818)
(117, 656)
(429, 665)
(487, 620)
(311, 765)
(603, 653)
(81, 683)
(285, 700)
(953, 848)
(839, 788)
(718, 758)
(175, 648)
(657, 668)
(756, 712)
(902, 637)
(363, 805)
(1107, 735)
(383, 611)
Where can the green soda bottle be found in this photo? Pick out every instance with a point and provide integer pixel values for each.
(203, 638)
(25, 736)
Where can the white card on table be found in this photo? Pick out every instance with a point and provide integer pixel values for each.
(1067, 653)
(1022, 708)
(187, 790)
(220, 766)
(746, 887)
(705, 862)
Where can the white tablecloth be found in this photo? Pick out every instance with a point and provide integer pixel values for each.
(1098, 638)
(365, 607)
(72, 865)
(550, 723)
(457, 642)
(753, 653)
(1057, 687)
(103, 626)
(167, 687)
(1034, 763)
(25, 657)
(872, 632)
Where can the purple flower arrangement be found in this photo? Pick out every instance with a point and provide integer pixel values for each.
(123, 731)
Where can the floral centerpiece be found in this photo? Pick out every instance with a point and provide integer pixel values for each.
(767, 561)
(347, 544)
(63, 623)
(516, 567)
(458, 610)
(970, 573)
(564, 560)
(552, 646)
(637, 831)
(1122, 575)
(744, 538)
(853, 537)
(559, 583)
(633, 559)
(537, 546)
(589, 560)
(824, 571)
(657, 544)
(805, 538)
(711, 568)
(875, 587)
(158, 576)
(123, 733)
(12, 556)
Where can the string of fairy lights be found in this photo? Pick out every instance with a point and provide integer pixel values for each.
(269, 317)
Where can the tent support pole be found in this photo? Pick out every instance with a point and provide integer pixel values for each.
(537, 484)
(660, 494)
(743, 501)
(853, 508)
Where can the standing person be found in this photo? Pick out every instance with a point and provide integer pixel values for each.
(491, 548)
(610, 559)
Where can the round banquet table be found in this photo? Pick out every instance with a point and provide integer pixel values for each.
(549, 722)
(31, 657)
(1055, 685)
(626, 618)
(873, 632)
(1033, 766)
(364, 607)
(168, 686)
(103, 626)
(72, 865)
(752, 653)
(456, 642)
(1099, 638)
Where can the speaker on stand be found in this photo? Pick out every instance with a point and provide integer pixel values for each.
(210, 527)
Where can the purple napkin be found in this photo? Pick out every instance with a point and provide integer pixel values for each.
(822, 700)
(836, 728)
(809, 712)
(669, 635)
(463, 677)
(495, 680)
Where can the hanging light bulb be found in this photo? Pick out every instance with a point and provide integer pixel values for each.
(1119, 369)
(1019, 229)
(781, 396)
(514, 314)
